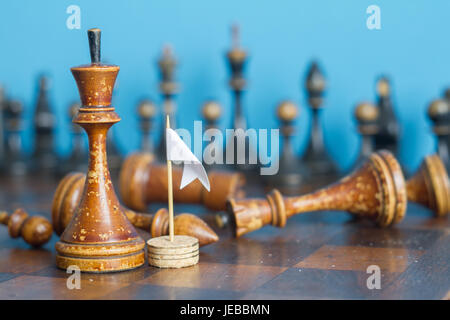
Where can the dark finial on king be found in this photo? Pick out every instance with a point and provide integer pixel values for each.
(95, 36)
(95, 81)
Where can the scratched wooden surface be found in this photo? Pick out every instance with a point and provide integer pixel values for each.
(316, 256)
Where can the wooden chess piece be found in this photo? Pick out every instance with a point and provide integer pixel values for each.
(237, 59)
(78, 157)
(146, 112)
(211, 112)
(366, 115)
(388, 129)
(291, 172)
(375, 191)
(68, 195)
(142, 181)
(439, 113)
(169, 88)
(35, 230)
(15, 161)
(316, 159)
(99, 238)
(430, 186)
(3, 103)
(44, 156)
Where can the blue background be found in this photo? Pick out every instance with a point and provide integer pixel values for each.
(281, 37)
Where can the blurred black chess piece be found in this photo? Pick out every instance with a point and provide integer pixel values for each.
(78, 158)
(168, 88)
(211, 112)
(146, 112)
(387, 136)
(237, 58)
(44, 159)
(291, 171)
(15, 161)
(439, 113)
(3, 103)
(366, 115)
(316, 159)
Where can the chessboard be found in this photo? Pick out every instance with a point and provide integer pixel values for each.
(323, 255)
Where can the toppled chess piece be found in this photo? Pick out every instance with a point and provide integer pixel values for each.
(439, 113)
(375, 191)
(35, 230)
(99, 237)
(68, 195)
(142, 181)
(430, 186)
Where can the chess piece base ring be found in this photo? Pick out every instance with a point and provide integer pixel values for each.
(101, 258)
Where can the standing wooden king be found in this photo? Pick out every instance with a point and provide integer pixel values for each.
(99, 237)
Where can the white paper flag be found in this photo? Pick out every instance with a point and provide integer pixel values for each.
(193, 169)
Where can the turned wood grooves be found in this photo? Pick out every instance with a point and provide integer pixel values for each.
(99, 237)
(375, 191)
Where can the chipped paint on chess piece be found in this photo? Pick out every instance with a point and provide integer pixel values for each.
(99, 237)
(35, 230)
(68, 195)
(375, 191)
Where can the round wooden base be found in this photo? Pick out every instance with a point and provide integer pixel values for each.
(179, 253)
(102, 257)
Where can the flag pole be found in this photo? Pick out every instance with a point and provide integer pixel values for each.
(169, 188)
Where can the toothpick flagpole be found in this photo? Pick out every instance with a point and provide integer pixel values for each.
(175, 251)
(170, 190)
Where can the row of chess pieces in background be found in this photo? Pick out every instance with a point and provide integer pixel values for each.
(376, 122)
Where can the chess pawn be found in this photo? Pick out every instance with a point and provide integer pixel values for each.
(15, 162)
(439, 113)
(375, 191)
(3, 103)
(35, 230)
(388, 129)
(316, 159)
(78, 157)
(168, 88)
(237, 59)
(44, 156)
(211, 112)
(146, 112)
(142, 181)
(430, 186)
(68, 195)
(99, 237)
(291, 171)
(366, 115)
